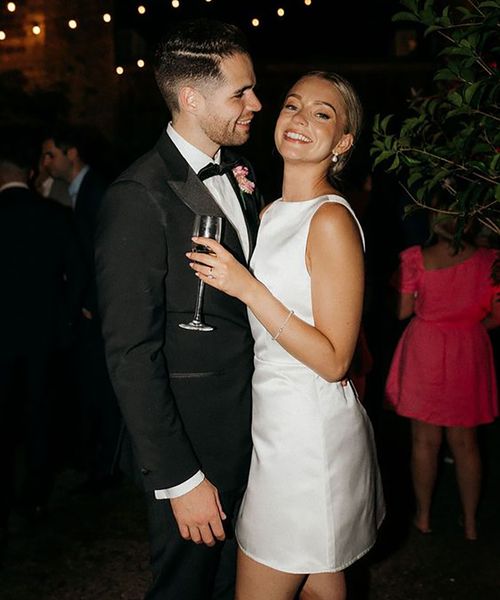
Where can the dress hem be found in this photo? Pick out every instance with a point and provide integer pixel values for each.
(325, 570)
(476, 423)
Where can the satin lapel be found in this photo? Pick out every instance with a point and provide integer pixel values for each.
(185, 182)
(245, 200)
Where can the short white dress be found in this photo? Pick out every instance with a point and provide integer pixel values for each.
(314, 498)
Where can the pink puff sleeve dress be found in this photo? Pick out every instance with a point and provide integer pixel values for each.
(443, 371)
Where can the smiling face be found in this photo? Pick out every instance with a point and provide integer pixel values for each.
(230, 104)
(311, 124)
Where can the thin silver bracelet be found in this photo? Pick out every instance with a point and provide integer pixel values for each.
(280, 330)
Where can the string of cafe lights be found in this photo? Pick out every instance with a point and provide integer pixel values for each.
(73, 24)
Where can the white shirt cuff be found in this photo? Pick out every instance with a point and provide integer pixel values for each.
(181, 489)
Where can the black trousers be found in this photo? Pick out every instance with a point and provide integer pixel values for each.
(25, 420)
(183, 570)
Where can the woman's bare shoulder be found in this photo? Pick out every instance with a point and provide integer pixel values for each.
(333, 218)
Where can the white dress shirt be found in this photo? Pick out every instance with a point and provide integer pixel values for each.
(221, 189)
(219, 186)
(76, 184)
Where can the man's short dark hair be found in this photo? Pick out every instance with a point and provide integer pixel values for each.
(66, 136)
(192, 52)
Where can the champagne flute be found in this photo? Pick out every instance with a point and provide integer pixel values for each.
(206, 226)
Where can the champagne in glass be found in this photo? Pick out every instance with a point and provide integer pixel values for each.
(206, 226)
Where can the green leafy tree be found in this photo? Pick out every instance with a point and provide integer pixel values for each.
(451, 138)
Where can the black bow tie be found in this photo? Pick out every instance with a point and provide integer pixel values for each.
(213, 169)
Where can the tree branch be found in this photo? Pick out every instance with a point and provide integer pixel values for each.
(489, 224)
(449, 162)
(480, 112)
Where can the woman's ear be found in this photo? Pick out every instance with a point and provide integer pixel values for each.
(344, 144)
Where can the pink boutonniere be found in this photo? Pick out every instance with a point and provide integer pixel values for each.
(240, 173)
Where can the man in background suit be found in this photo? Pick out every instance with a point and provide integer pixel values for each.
(185, 395)
(42, 277)
(66, 156)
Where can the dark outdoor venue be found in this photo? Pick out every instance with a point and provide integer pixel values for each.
(84, 95)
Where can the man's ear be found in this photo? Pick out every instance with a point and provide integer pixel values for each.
(190, 99)
(72, 154)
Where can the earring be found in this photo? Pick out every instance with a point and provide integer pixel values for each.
(335, 157)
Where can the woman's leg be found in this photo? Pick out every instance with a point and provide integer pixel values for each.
(426, 441)
(324, 586)
(463, 444)
(255, 581)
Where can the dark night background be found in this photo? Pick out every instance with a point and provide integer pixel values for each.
(70, 74)
(95, 548)
(356, 39)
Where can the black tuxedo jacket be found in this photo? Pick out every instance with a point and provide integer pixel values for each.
(185, 396)
(42, 272)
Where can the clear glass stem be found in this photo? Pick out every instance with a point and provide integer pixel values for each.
(199, 302)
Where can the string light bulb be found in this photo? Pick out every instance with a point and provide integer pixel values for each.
(281, 12)
(36, 29)
(141, 9)
(2, 36)
(119, 70)
(106, 17)
(72, 24)
(140, 63)
(255, 22)
(11, 6)
(176, 3)
(308, 2)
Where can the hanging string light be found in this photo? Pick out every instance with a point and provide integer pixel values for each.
(141, 10)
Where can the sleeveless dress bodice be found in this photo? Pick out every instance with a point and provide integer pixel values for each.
(314, 501)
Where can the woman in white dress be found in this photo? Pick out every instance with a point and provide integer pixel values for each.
(314, 501)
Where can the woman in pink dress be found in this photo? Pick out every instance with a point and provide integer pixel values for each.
(442, 375)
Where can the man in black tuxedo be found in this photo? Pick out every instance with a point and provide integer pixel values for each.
(42, 280)
(185, 395)
(65, 156)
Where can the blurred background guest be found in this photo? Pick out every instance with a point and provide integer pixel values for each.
(48, 187)
(66, 156)
(442, 375)
(42, 277)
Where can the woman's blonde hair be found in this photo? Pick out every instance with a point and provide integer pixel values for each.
(353, 115)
